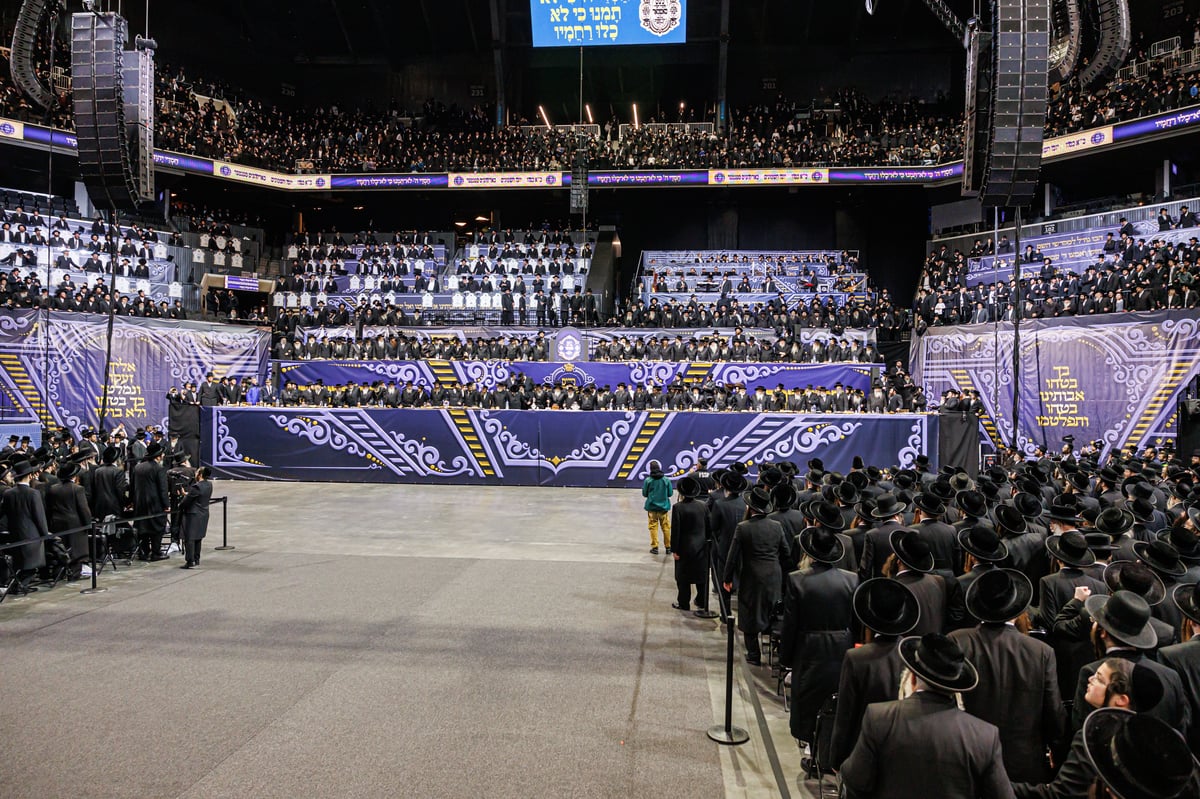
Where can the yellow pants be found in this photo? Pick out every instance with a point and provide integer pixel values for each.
(655, 520)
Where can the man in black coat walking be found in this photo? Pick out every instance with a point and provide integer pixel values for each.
(689, 544)
(25, 512)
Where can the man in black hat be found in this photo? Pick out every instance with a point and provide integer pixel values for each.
(67, 509)
(725, 513)
(871, 672)
(1121, 625)
(151, 498)
(1136, 756)
(756, 557)
(888, 515)
(928, 512)
(940, 599)
(25, 512)
(984, 552)
(1185, 658)
(901, 740)
(1018, 683)
(689, 544)
(816, 634)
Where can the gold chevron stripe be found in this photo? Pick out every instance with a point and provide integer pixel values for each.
(462, 421)
(1156, 404)
(24, 383)
(653, 422)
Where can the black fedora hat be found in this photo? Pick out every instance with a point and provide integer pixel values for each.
(1114, 521)
(905, 478)
(1099, 543)
(1079, 481)
(938, 661)
(1135, 576)
(1160, 556)
(733, 482)
(153, 451)
(997, 474)
(929, 504)
(821, 544)
(1125, 616)
(110, 454)
(942, 490)
(740, 467)
(1142, 510)
(770, 476)
(1071, 548)
(887, 506)
(689, 487)
(961, 481)
(971, 503)
(1110, 475)
(886, 606)
(757, 499)
(874, 473)
(846, 492)
(826, 514)
(858, 479)
(864, 508)
(989, 489)
(1138, 756)
(24, 468)
(783, 496)
(1063, 508)
(1009, 520)
(814, 476)
(1185, 542)
(68, 471)
(817, 464)
(1028, 505)
(912, 550)
(1187, 598)
(999, 595)
(982, 542)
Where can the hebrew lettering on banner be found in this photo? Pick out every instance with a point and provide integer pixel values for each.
(1115, 378)
(488, 374)
(55, 368)
(562, 448)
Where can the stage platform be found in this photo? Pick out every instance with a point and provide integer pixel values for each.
(388, 641)
(550, 448)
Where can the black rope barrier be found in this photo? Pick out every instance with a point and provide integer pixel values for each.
(725, 734)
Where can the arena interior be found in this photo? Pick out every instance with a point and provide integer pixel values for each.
(600, 398)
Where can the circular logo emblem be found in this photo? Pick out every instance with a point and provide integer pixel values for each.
(1098, 137)
(818, 175)
(569, 346)
(551, 180)
(719, 177)
(226, 171)
(458, 180)
(7, 129)
(320, 181)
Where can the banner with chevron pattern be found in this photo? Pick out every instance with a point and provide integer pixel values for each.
(557, 448)
(53, 365)
(1114, 378)
(490, 373)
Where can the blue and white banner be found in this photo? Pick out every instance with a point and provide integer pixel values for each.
(488, 374)
(560, 448)
(54, 365)
(1115, 378)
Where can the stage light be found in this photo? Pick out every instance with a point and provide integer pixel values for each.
(871, 6)
(588, 108)
(482, 218)
(460, 224)
(545, 118)
(635, 117)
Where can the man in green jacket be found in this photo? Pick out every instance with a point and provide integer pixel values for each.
(657, 490)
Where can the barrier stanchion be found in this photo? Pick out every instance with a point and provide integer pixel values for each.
(705, 612)
(93, 537)
(224, 523)
(726, 734)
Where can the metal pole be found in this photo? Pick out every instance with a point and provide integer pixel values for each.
(225, 525)
(726, 734)
(92, 538)
(1019, 308)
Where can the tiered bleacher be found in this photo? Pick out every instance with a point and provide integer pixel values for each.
(1104, 263)
(62, 261)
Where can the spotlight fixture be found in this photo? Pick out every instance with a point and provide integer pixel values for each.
(636, 124)
(588, 108)
(870, 6)
(546, 119)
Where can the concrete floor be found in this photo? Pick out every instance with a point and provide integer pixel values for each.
(368, 640)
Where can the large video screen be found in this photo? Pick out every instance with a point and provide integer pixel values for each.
(590, 23)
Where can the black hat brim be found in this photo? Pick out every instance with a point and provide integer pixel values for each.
(910, 614)
(908, 655)
(834, 556)
(980, 610)
(1054, 547)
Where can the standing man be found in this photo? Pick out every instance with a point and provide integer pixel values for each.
(210, 391)
(150, 498)
(689, 527)
(26, 514)
(657, 490)
(756, 555)
(900, 741)
(194, 510)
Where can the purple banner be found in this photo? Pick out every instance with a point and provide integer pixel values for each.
(391, 181)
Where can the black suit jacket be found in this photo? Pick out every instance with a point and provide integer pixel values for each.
(870, 674)
(940, 599)
(877, 546)
(901, 741)
(1185, 660)
(110, 491)
(1018, 692)
(25, 511)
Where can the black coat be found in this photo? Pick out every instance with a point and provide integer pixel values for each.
(941, 602)
(67, 508)
(924, 746)
(26, 514)
(756, 556)
(941, 537)
(110, 491)
(150, 496)
(817, 630)
(724, 515)
(689, 536)
(1018, 692)
(870, 674)
(195, 510)
(1073, 780)
(1185, 660)
(877, 545)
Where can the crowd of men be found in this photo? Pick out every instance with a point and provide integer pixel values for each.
(876, 311)
(1129, 274)
(53, 493)
(1032, 597)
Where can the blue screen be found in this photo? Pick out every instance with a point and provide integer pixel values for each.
(590, 23)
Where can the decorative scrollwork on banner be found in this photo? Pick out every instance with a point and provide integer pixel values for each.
(320, 431)
(686, 459)
(486, 373)
(227, 445)
(912, 448)
(646, 372)
(807, 439)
